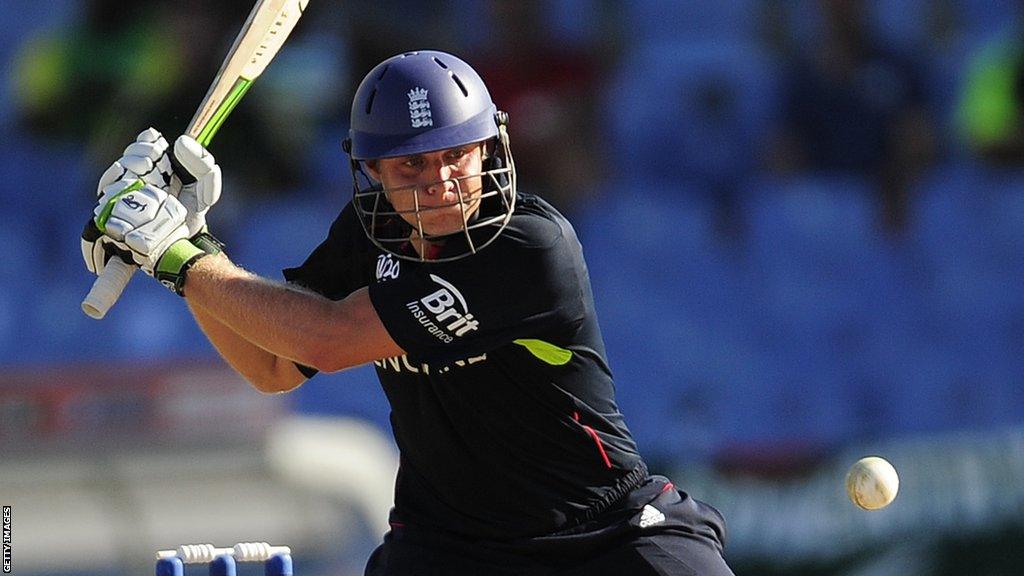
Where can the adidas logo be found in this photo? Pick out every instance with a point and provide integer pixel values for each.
(651, 516)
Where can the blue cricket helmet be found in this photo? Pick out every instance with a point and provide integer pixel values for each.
(420, 102)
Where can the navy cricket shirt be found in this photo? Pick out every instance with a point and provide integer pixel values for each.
(503, 408)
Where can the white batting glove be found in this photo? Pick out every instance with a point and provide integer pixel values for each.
(192, 175)
(142, 218)
(196, 181)
(144, 159)
(98, 249)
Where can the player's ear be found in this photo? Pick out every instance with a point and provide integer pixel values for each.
(487, 158)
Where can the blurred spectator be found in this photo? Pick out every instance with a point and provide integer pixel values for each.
(379, 29)
(125, 66)
(545, 78)
(100, 79)
(549, 84)
(856, 105)
(990, 117)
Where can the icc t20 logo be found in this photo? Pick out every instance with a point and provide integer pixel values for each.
(387, 267)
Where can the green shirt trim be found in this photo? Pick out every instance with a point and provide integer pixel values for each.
(546, 352)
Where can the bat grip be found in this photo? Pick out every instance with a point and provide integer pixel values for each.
(107, 288)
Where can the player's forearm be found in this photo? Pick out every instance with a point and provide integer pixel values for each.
(286, 321)
(267, 372)
(244, 304)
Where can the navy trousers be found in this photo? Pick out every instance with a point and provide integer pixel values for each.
(655, 530)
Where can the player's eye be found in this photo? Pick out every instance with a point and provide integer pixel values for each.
(456, 153)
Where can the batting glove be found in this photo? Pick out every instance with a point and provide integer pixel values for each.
(144, 159)
(196, 181)
(151, 224)
(191, 174)
(98, 249)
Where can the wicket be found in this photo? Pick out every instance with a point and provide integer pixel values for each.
(277, 560)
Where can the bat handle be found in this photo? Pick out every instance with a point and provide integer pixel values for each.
(107, 288)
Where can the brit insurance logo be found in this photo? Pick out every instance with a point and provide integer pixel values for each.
(444, 313)
(387, 267)
(419, 108)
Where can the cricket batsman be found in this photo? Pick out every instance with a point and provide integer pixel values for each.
(472, 299)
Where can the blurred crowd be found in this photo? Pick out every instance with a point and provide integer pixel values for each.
(879, 88)
(781, 147)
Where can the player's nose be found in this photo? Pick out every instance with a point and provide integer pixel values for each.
(442, 182)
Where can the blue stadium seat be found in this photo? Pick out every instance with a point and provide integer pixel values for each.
(723, 21)
(52, 326)
(15, 327)
(33, 17)
(25, 255)
(147, 323)
(831, 297)
(151, 323)
(1006, 224)
(661, 240)
(329, 166)
(354, 392)
(575, 21)
(966, 238)
(667, 296)
(902, 24)
(822, 219)
(966, 231)
(981, 20)
(280, 233)
(816, 255)
(945, 378)
(691, 110)
(31, 171)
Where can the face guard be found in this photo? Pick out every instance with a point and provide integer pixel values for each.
(484, 212)
(422, 102)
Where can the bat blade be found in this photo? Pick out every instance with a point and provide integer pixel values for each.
(261, 37)
(264, 32)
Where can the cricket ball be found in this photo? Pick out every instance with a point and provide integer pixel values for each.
(872, 483)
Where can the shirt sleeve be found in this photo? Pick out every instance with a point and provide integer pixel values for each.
(528, 284)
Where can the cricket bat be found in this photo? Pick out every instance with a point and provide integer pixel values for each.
(262, 35)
